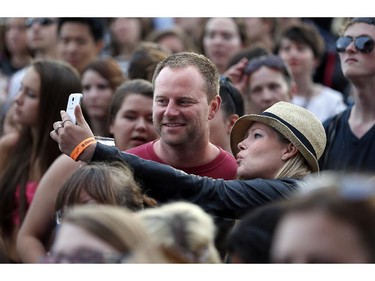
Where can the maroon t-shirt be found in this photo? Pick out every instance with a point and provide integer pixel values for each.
(224, 166)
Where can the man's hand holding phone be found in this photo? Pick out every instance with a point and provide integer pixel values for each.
(71, 136)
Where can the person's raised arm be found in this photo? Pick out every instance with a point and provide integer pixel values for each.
(237, 76)
(71, 137)
(37, 228)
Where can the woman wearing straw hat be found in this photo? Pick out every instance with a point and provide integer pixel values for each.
(274, 151)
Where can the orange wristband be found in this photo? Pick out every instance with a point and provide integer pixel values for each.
(81, 147)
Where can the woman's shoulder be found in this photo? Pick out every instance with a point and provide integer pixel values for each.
(7, 146)
(9, 140)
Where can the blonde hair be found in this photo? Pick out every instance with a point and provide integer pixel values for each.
(116, 226)
(295, 167)
(184, 228)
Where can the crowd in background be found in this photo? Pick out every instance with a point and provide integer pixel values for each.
(302, 86)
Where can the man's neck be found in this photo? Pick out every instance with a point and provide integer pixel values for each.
(184, 156)
(364, 102)
(362, 116)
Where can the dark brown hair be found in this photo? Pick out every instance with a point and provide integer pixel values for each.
(109, 69)
(304, 33)
(109, 183)
(57, 81)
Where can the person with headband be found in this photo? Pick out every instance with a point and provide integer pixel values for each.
(351, 134)
(274, 151)
(263, 81)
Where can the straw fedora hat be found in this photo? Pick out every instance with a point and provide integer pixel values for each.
(296, 123)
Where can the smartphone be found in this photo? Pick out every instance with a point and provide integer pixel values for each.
(74, 100)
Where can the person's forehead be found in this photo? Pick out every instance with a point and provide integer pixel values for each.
(75, 29)
(258, 125)
(73, 237)
(224, 24)
(189, 72)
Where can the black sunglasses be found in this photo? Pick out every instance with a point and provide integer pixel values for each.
(364, 44)
(271, 61)
(42, 21)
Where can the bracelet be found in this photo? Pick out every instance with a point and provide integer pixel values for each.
(81, 147)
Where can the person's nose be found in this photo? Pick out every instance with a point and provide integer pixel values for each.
(267, 95)
(241, 145)
(92, 91)
(95, 91)
(351, 47)
(141, 124)
(71, 46)
(19, 98)
(171, 110)
(293, 52)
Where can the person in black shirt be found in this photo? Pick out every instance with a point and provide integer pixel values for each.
(274, 151)
(351, 134)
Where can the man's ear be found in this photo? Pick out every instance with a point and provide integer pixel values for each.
(214, 107)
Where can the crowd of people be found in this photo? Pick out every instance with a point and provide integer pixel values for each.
(208, 140)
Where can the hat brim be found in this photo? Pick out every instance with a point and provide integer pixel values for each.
(242, 125)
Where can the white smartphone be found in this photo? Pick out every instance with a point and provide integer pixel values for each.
(73, 101)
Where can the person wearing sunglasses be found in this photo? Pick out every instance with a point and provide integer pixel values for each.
(14, 57)
(41, 40)
(42, 37)
(41, 21)
(351, 134)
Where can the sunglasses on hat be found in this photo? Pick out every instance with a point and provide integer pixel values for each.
(271, 61)
(42, 21)
(364, 44)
